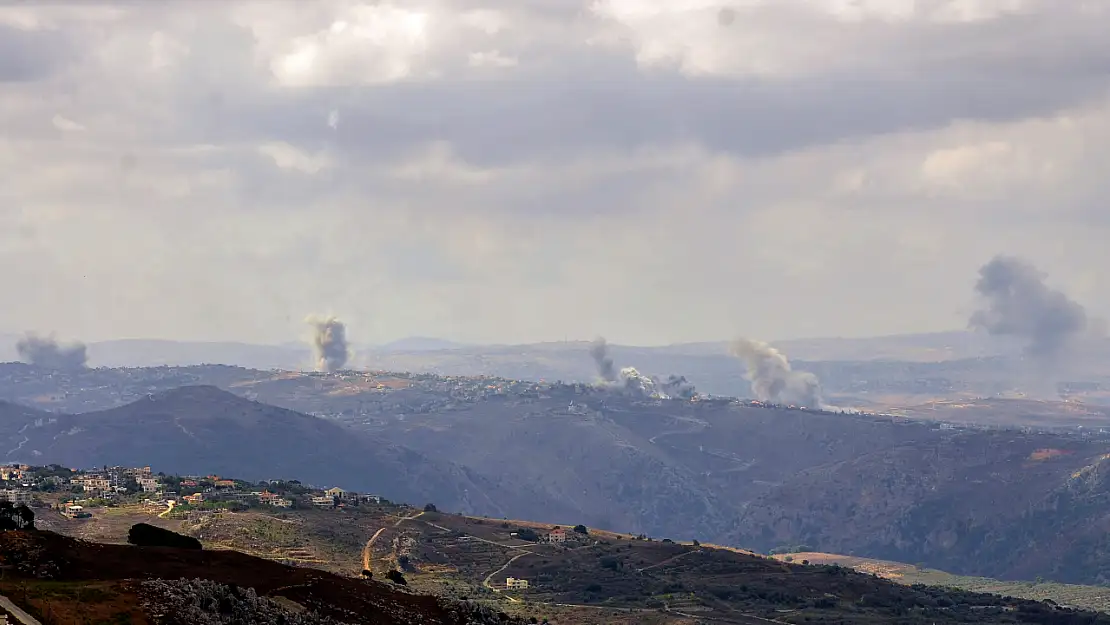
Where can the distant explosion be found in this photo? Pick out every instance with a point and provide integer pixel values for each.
(630, 381)
(772, 378)
(49, 353)
(599, 351)
(329, 342)
(1018, 303)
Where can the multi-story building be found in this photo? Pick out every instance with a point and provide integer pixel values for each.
(16, 495)
(149, 484)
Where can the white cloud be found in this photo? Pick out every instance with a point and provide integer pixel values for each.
(65, 124)
(287, 156)
(492, 58)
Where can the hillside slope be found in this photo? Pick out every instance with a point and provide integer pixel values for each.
(113, 583)
(995, 504)
(202, 430)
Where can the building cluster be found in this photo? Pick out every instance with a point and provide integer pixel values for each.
(113, 481)
(73, 492)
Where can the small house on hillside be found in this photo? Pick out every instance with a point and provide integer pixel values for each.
(557, 535)
(513, 583)
(75, 511)
(335, 492)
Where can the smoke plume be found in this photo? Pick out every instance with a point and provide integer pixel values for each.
(638, 385)
(772, 378)
(47, 352)
(677, 386)
(329, 342)
(630, 381)
(599, 351)
(1018, 303)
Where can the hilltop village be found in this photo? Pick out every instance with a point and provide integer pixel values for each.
(74, 492)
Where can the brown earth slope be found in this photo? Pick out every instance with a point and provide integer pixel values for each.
(51, 572)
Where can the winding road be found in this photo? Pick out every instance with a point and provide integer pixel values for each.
(368, 550)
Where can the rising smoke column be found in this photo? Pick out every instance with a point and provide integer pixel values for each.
(329, 342)
(772, 378)
(47, 352)
(1018, 303)
(599, 351)
(630, 381)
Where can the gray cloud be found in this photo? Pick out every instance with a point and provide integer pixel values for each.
(616, 135)
(329, 342)
(773, 379)
(29, 56)
(49, 353)
(1020, 304)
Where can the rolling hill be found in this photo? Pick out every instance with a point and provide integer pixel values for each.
(964, 500)
(595, 576)
(64, 580)
(201, 429)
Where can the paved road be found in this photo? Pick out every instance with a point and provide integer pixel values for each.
(17, 613)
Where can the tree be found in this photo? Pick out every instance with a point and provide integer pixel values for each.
(395, 576)
(580, 529)
(13, 518)
(430, 507)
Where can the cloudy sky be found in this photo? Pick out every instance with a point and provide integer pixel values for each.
(519, 170)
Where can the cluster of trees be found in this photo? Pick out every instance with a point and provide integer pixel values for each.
(14, 517)
(146, 535)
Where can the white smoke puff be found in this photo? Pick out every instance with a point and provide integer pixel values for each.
(329, 342)
(772, 378)
(639, 385)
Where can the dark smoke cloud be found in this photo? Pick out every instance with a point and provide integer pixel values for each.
(772, 378)
(599, 351)
(677, 386)
(47, 352)
(329, 342)
(1019, 304)
(630, 381)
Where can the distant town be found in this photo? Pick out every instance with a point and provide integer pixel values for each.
(74, 492)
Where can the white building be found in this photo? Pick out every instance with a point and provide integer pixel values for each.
(512, 583)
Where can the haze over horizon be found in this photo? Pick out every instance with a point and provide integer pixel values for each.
(515, 172)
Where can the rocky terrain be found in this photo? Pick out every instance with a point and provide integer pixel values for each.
(64, 580)
(594, 576)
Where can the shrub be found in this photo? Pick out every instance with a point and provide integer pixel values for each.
(580, 529)
(430, 507)
(396, 577)
(146, 535)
